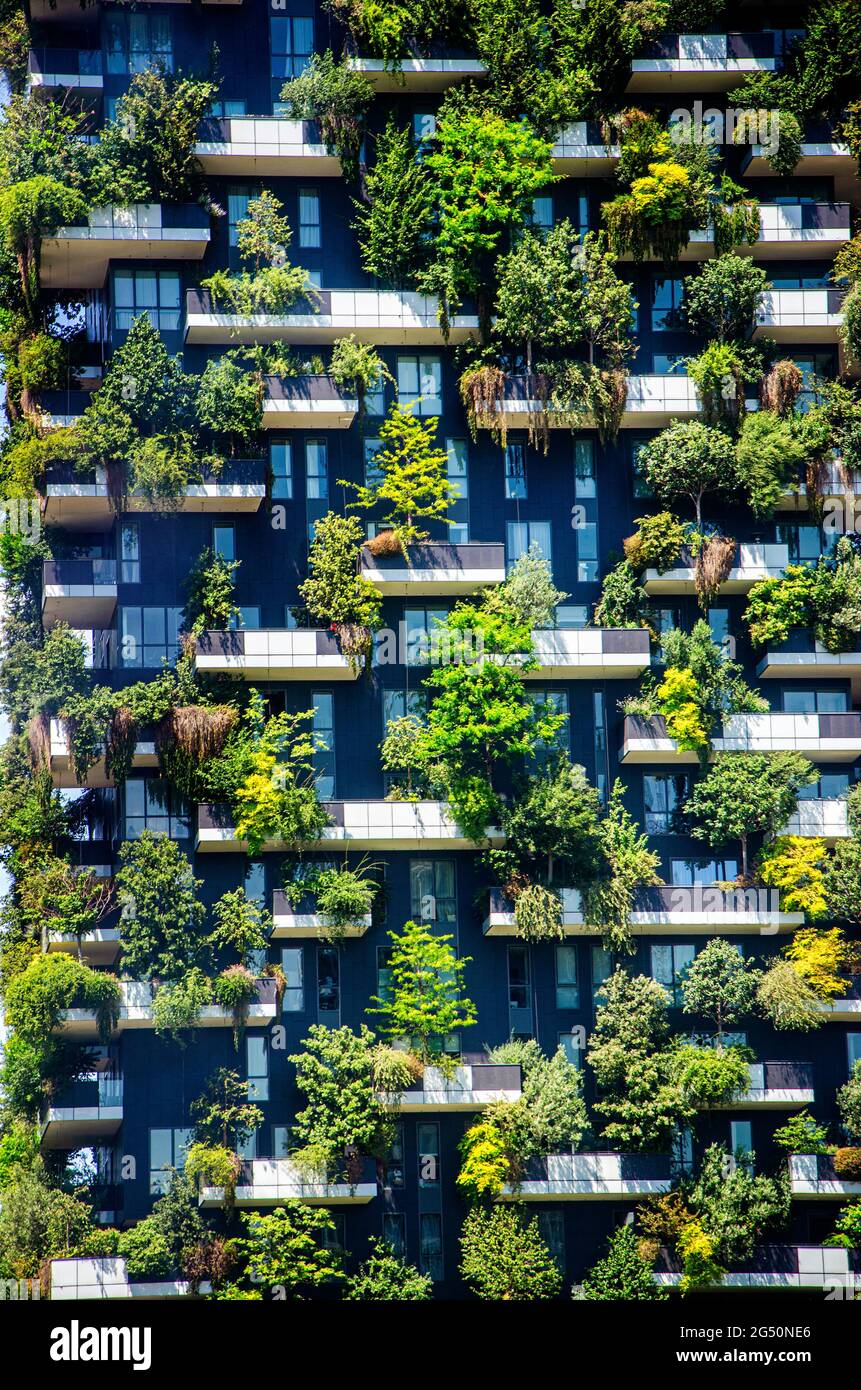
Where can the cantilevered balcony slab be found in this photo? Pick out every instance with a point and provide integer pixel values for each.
(280, 654)
(825, 818)
(385, 825)
(809, 316)
(307, 403)
(62, 765)
(62, 409)
(436, 569)
(579, 151)
(106, 1276)
(136, 1011)
(264, 1182)
(82, 593)
(500, 919)
(667, 910)
(471, 1087)
(78, 257)
(589, 653)
(70, 11)
(774, 1086)
(651, 401)
(845, 1010)
(68, 69)
(416, 74)
(702, 62)
(821, 737)
(814, 1176)
(801, 657)
(818, 158)
(591, 1177)
(375, 316)
(753, 561)
(87, 1112)
(83, 502)
(777, 1267)
(288, 923)
(264, 145)
(834, 484)
(787, 231)
(100, 947)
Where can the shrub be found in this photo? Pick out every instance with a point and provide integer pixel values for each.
(802, 1134)
(336, 96)
(821, 957)
(211, 1165)
(624, 602)
(847, 1228)
(769, 457)
(38, 998)
(384, 1277)
(486, 1161)
(623, 1275)
(786, 999)
(849, 1102)
(700, 1269)
(657, 543)
(538, 913)
(847, 1164)
(794, 865)
(145, 1251)
(504, 1257)
(711, 1076)
(177, 1006)
(234, 990)
(344, 897)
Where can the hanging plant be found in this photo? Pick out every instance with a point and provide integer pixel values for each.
(537, 912)
(780, 387)
(482, 391)
(715, 557)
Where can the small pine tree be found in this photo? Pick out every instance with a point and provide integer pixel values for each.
(623, 1275)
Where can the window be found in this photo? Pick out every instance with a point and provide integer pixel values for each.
(373, 474)
(719, 623)
(682, 1153)
(316, 469)
(814, 701)
(420, 380)
(427, 1146)
(424, 126)
(567, 989)
(430, 1245)
(281, 460)
(395, 1232)
(804, 542)
(519, 992)
(515, 470)
(151, 804)
(399, 703)
(328, 985)
(432, 891)
(224, 541)
(555, 702)
(152, 292)
(457, 461)
(667, 298)
(542, 213)
(602, 967)
(291, 43)
(323, 702)
(520, 535)
(741, 1140)
(293, 1001)
(309, 218)
(669, 964)
(551, 1228)
(572, 1046)
(247, 616)
(384, 973)
(423, 635)
(587, 552)
(257, 1060)
(238, 198)
(686, 873)
(853, 1049)
(130, 553)
(641, 485)
(334, 1237)
(225, 109)
(394, 1168)
(167, 1152)
(572, 616)
(664, 795)
(830, 786)
(599, 742)
(137, 41)
(149, 636)
(585, 482)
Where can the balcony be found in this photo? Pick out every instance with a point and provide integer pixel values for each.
(595, 1176)
(375, 316)
(435, 569)
(813, 316)
(471, 1087)
(500, 920)
(71, 12)
(774, 1086)
(801, 230)
(82, 593)
(87, 1112)
(105, 1276)
(813, 1175)
(287, 923)
(62, 766)
(822, 158)
(416, 74)
(651, 401)
(60, 409)
(77, 501)
(754, 561)
(77, 257)
(385, 825)
(306, 403)
(264, 1182)
(589, 653)
(136, 1011)
(297, 654)
(821, 737)
(835, 482)
(823, 818)
(74, 69)
(803, 657)
(101, 947)
(579, 150)
(702, 62)
(845, 1010)
(699, 909)
(777, 1267)
(263, 145)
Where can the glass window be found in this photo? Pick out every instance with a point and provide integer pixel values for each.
(686, 873)
(457, 467)
(741, 1140)
(682, 1153)
(328, 985)
(155, 293)
(316, 469)
(281, 459)
(664, 795)
(309, 217)
(427, 1146)
(804, 542)
(137, 41)
(394, 1169)
(572, 616)
(151, 804)
(424, 126)
(853, 1049)
(830, 786)
(519, 992)
(585, 481)
(641, 486)
(257, 1060)
(555, 702)
(293, 1001)
(567, 988)
(515, 470)
(433, 896)
(669, 964)
(130, 553)
(399, 703)
(420, 381)
(542, 213)
(224, 541)
(572, 1046)
(291, 43)
(814, 702)
(430, 1245)
(395, 1232)
(422, 631)
(551, 1228)
(167, 1153)
(602, 967)
(149, 637)
(238, 198)
(323, 702)
(667, 298)
(384, 973)
(520, 535)
(587, 552)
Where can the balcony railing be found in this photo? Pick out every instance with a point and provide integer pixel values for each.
(436, 567)
(57, 63)
(266, 1182)
(471, 1087)
(712, 48)
(594, 1176)
(814, 1175)
(75, 573)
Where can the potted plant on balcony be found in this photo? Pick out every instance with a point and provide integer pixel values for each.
(271, 285)
(338, 98)
(334, 592)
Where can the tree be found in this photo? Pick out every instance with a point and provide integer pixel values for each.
(842, 882)
(540, 296)
(746, 794)
(628, 864)
(64, 900)
(210, 604)
(504, 1258)
(849, 1103)
(29, 211)
(161, 914)
(343, 1113)
(786, 999)
(552, 1092)
(689, 459)
(769, 457)
(413, 480)
(393, 225)
(527, 596)
(334, 593)
(38, 997)
(276, 799)
(722, 298)
(553, 828)
(221, 1113)
(798, 867)
(623, 1275)
(822, 959)
(335, 95)
(241, 926)
(720, 984)
(736, 1207)
(38, 1223)
(229, 402)
(383, 1277)
(284, 1251)
(427, 982)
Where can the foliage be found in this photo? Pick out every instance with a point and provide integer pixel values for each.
(711, 1076)
(657, 543)
(486, 1160)
(344, 898)
(622, 1275)
(30, 210)
(689, 459)
(333, 591)
(551, 1089)
(628, 864)
(847, 1164)
(393, 224)
(822, 958)
(277, 800)
(796, 866)
(504, 1258)
(157, 892)
(272, 285)
(723, 296)
(735, 1207)
(624, 602)
(843, 881)
(527, 597)
(335, 1073)
(427, 999)
(802, 1134)
(234, 990)
(747, 793)
(825, 597)
(39, 1223)
(38, 998)
(336, 96)
(211, 1165)
(242, 927)
(720, 985)
(786, 999)
(847, 1227)
(700, 1269)
(719, 373)
(229, 402)
(769, 456)
(552, 828)
(178, 1003)
(357, 367)
(849, 1103)
(383, 1277)
(221, 1113)
(145, 1251)
(283, 1250)
(413, 481)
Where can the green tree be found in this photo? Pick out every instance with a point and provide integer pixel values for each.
(552, 827)
(527, 597)
(842, 882)
(29, 211)
(38, 997)
(427, 998)
(623, 1275)
(504, 1258)
(722, 298)
(334, 592)
(746, 794)
(39, 1222)
(210, 604)
(627, 864)
(335, 1073)
(849, 1103)
(385, 1278)
(413, 482)
(157, 892)
(552, 1091)
(229, 403)
(283, 1251)
(393, 224)
(690, 460)
(335, 95)
(720, 985)
(540, 296)
(769, 456)
(242, 927)
(221, 1114)
(736, 1207)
